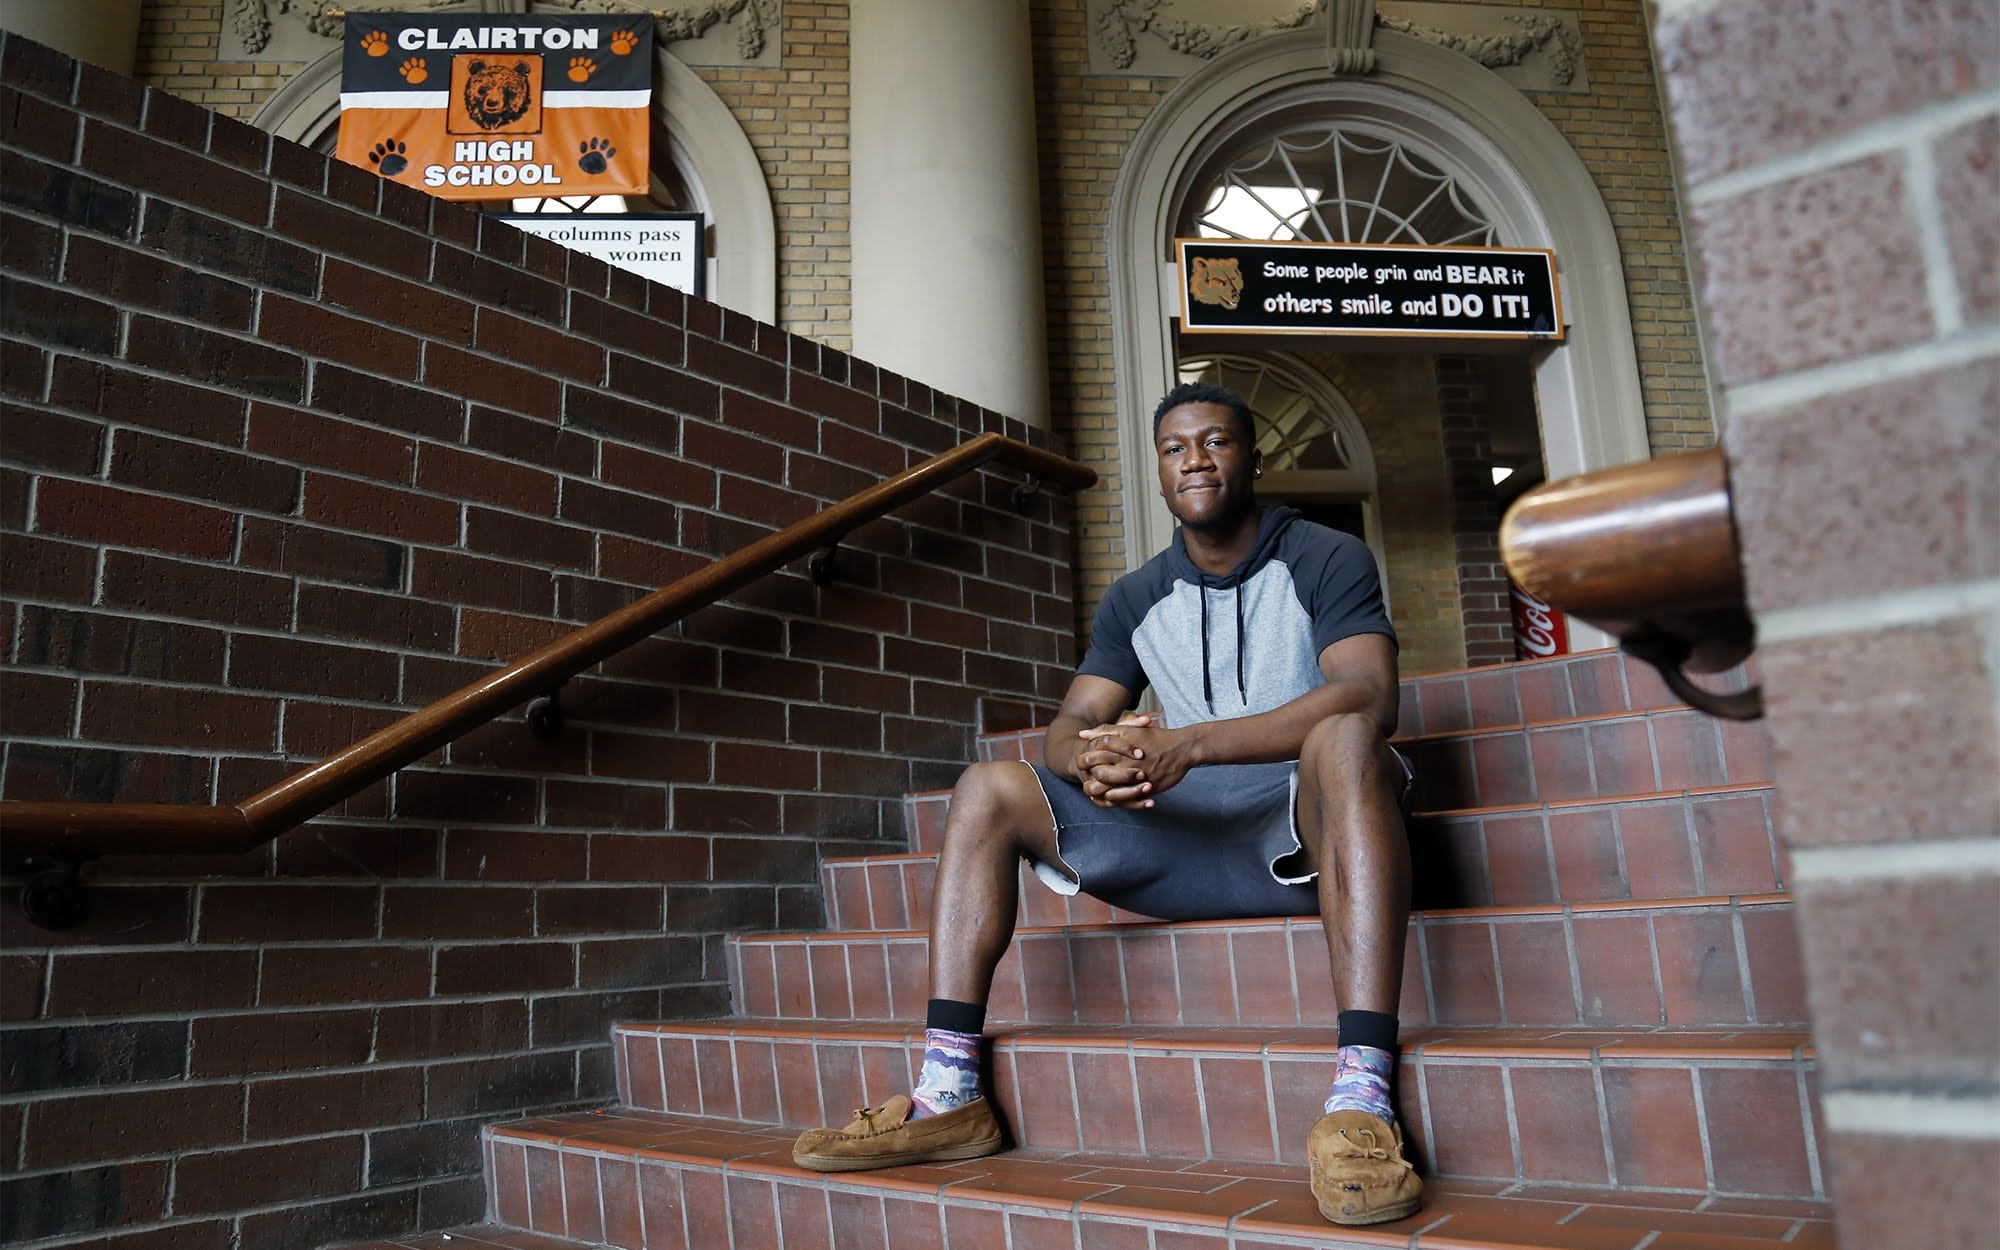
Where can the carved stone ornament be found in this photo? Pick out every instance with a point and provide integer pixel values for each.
(699, 32)
(1132, 35)
(1534, 49)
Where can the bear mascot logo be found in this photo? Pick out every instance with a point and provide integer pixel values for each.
(500, 97)
(1216, 280)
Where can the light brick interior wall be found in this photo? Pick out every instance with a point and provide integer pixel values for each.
(179, 49)
(795, 117)
(1084, 124)
(1395, 396)
(1619, 131)
(287, 451)
(1841, 162)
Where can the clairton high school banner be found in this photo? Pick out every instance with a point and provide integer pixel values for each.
(491, 106)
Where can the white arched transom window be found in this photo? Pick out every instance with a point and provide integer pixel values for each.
(1322, 182)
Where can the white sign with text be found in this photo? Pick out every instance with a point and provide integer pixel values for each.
(663, 247)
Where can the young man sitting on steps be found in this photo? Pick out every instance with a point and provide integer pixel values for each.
(1269, 790)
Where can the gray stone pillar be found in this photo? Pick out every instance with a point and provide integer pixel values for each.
(946, 215)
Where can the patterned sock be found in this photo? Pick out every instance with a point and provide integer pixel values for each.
(951, 1073)
(1361, 1081)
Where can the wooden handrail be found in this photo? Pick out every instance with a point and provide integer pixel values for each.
(1646, 552)
(74, 831)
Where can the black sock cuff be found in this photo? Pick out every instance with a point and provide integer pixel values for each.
(1368, 1028)
(957, 1017)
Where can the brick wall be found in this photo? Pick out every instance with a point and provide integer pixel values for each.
(1083, 126)
(1395, 397)
(180, 50)
(287, 451)
(794, 115)
(796, 118)
(1465, 400)
(1618, 129)
(1840, 160)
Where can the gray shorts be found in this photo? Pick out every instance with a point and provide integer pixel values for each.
(1221, 845)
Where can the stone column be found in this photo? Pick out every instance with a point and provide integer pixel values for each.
(946, 217)
(103, 32)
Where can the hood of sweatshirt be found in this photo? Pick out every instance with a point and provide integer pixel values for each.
(1270, 528)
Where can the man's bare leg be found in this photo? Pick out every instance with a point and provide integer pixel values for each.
(998, 814)
(1351, 824)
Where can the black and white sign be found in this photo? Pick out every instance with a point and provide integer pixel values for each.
(1231, 286)
(665, 247)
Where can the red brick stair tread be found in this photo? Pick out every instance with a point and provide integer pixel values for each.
(1773, 898)
(1586, 751)
(474, 1237)
(1655, 844)
(991, 745)
(1645, 796)
(1758, 1042)
(1559, 805)
(1602, 964)
(1041, 1197)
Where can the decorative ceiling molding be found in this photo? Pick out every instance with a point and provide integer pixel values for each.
(250, 20)
(1546, 33)
(697, 29)
(1120, 23)
(1532, 49)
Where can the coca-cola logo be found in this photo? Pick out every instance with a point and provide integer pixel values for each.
(1539, 630)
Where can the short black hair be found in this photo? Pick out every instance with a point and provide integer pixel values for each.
(1209, 393)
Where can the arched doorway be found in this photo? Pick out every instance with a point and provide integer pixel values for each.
(1447, 152)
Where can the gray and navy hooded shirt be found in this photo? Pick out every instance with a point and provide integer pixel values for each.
(1245, 642)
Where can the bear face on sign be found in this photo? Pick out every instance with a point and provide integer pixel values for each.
(1216, 280)
(495, 95)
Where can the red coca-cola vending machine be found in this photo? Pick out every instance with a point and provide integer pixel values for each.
(1539, 630)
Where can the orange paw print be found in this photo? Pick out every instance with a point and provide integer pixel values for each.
(581, 68)
(623, 42)
(413, 71)
(375, 43)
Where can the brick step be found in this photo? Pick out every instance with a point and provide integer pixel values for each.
(1585, 684)
(886, 893)
(633, 1179)
(1670, 844)
(1595, 757)
(474, 1237)
(1607, 756)
(1592, 683)
(1698, 961)
(1598, 1107)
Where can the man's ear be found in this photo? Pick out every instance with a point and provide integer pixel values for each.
(1256, 462)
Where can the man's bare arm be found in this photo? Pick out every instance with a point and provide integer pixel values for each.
(1360, 676)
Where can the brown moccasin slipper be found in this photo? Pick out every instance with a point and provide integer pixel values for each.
(1359, 1174)
(886, 1137)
